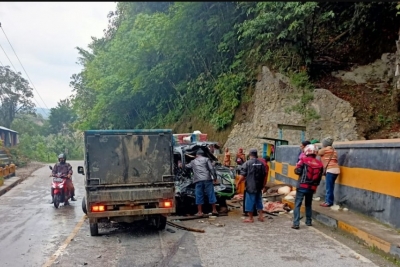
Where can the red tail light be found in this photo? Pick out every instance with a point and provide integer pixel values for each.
(99, 208)
(166, 204)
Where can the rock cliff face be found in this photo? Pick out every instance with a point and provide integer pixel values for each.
(381, 71)
(273, 94)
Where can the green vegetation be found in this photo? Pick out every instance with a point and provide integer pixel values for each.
(15, 96)
(42, 140)
(304, 92)
(160, 62)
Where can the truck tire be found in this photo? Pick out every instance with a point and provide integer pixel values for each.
(84, 209)
(94, 229)
(161, 222)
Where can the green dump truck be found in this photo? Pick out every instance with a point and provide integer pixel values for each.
(128, 176)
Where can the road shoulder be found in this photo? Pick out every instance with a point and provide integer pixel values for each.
(20, 175)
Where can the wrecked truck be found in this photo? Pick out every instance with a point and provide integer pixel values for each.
(128, 177)
(185, 188)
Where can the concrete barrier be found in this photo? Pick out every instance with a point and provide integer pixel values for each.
(369, 181)
(8, 171)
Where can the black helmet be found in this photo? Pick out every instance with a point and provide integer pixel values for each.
(62, 156)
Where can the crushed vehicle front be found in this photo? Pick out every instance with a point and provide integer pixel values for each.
(184, 186)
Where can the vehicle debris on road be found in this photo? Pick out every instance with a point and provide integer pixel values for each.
(184, 153)
(181, 227)
(218, 224)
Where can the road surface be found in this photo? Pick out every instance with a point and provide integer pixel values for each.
(34, 233)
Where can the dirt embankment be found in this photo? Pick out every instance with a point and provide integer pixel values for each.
(26, 171)
(190, 124)
(377, 116)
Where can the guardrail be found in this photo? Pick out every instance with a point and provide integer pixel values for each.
(7, 172)
(7, 169)
(369, 179)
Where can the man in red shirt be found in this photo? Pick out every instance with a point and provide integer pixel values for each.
(309, 170)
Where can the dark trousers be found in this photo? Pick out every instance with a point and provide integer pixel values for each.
(300, 194)
(330, 179)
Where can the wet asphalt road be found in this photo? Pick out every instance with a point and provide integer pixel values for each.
(34, 233)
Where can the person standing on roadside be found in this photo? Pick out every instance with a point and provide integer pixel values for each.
(302, 146)
(204, 174)
(253, 172)
(329, 158)
(227, 158)
(265, 161)
(309, 170)
(240, 157)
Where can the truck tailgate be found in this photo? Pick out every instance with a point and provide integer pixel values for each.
(128, 157)
(110, 195)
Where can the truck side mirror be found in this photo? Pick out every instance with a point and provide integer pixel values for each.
(80, 170)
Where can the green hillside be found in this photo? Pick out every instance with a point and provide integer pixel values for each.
(193, 65)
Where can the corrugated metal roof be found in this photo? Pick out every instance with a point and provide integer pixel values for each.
(6, 129)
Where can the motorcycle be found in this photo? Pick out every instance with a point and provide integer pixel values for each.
(60, 190)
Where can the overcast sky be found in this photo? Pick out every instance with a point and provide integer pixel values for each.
(44, 37)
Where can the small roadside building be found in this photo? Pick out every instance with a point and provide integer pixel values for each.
(8, 136)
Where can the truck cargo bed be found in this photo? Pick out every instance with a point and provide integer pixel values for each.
(128, 156)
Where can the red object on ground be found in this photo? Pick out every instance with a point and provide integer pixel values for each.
(274, 206)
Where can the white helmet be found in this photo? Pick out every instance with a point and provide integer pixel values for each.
(310, 150)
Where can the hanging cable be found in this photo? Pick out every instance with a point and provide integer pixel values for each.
(15, 69)
(8, 58)
(23, 66)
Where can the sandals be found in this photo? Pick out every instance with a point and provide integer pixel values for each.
(248, 221)
(199, 214)
(260, 219)
(325, 205)
(215, 214)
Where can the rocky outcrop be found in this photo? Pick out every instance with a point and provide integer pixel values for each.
(380, 71)
(272, 96)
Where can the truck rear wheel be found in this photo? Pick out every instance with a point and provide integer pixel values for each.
(161, 222)
(84, 205)
(94, 229)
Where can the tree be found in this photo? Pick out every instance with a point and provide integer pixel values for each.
(28, 124)
(159, 66)
(15, 96)
(62, 117)
(160, 63)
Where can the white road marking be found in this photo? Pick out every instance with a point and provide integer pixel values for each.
(52, 259)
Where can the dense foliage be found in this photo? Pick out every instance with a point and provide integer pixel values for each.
(42, 140)
(161, 61)
(15, 96)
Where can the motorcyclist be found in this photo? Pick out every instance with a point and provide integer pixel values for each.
(66, 170)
